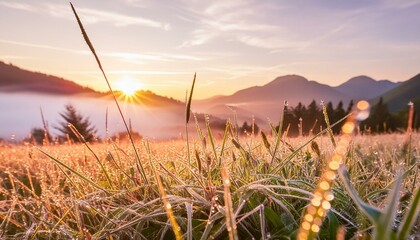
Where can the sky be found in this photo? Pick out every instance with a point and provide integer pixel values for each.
(159, 44)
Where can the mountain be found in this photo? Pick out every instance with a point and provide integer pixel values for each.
(292, 88)
(15, 79)
(27, 92)
(398, 98)
(267, 100)
(364, 87)
(148, 98)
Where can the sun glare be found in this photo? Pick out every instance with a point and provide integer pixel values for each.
(128, 86)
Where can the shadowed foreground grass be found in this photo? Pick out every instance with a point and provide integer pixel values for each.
(69, 195)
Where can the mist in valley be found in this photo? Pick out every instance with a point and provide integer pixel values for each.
(20, 112)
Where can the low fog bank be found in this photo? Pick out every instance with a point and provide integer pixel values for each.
(20, 112)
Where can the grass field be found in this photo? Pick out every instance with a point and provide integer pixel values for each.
(70, 192)
(237, 187)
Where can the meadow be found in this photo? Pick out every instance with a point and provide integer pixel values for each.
(237, 186)
(82, 191)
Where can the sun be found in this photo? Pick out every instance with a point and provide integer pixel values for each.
(129, 86)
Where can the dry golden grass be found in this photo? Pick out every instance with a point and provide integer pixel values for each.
(41, 199)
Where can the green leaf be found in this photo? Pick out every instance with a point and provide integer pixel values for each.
(410, 217)
(333, 225)
(371, 212)
(384, 228)
(272, 217)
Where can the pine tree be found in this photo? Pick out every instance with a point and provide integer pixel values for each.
(350, 107)
(380, 120)
(288, 119)
(248, 128)
(339, 113)
(39, 136)
(312, 118)
(82, 124)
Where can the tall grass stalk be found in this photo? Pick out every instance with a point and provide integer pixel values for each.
(230, 215)
(278, 133)
(166, 204)
(213, 144)
(46, 139)
(294, 152)
(187, 118)
(92, 49)
(106, 125)
(327, 121)
(82, 139)
(81, 176)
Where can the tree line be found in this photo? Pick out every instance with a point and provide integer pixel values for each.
(300, 120)
(306, 120)
(381, 120)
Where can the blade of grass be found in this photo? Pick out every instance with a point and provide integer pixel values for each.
(384, 228)
(92, 49)
(371, 212)
(278, 133)
(188, 113)
(82, 139)
(189, 208)
(288, 158)
(187, 119)
(225, 135)
(410, 217)
(210, 135)
(230, 216)
(327, 121)
(72, 170)
(166, 204)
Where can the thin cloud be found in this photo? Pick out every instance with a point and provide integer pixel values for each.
(270, 42)
(225, 20)
(132, 72)
(139, 3)
(89, 16)
(14, 57)
(34, 45)
(401, 4)
(152, 56)
(235, 72)
(120, 20)
(200, 37)
(18, 6)
(135, 58)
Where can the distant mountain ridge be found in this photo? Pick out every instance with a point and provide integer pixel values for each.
(398, 97)
(364, 87)
(293, 88)
(15, 79)
(266, 101)
(24, 92)
(261, 102)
